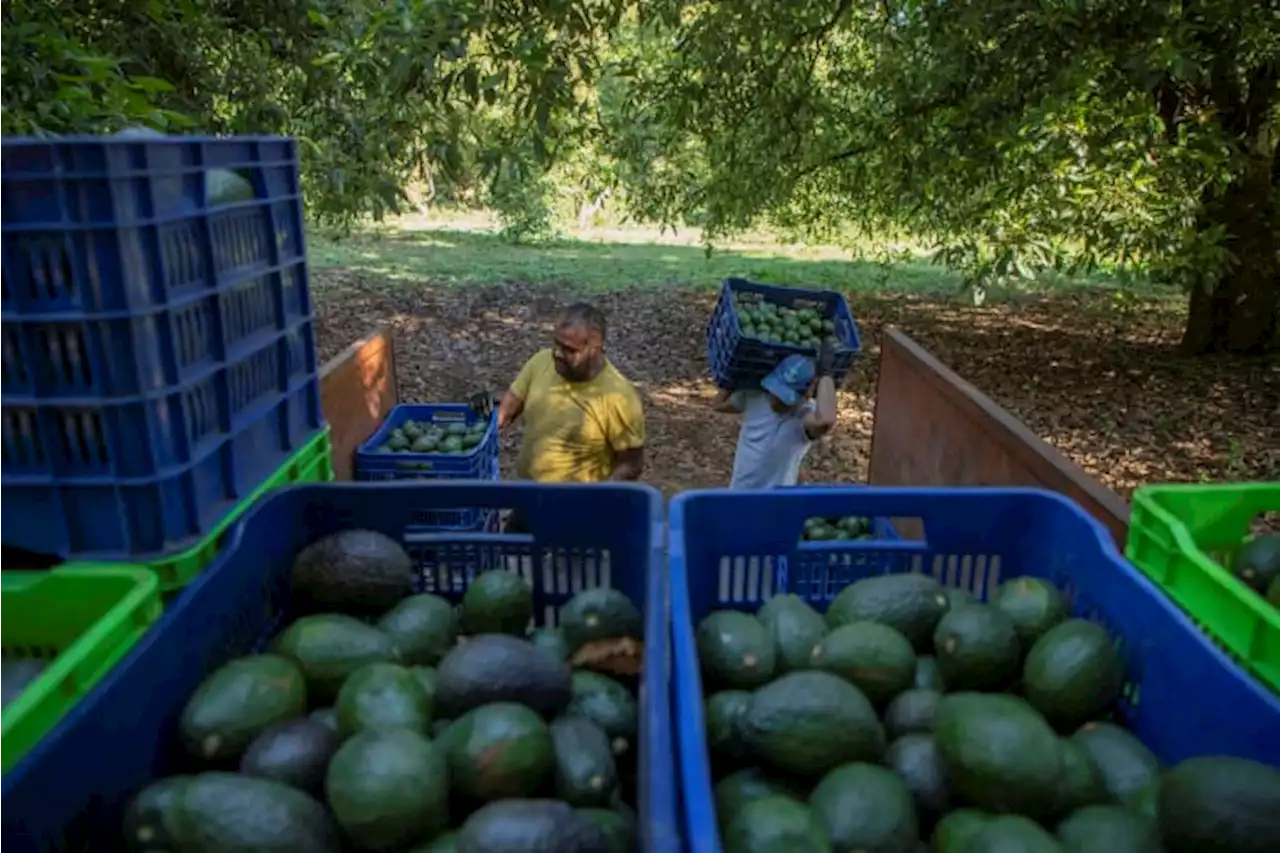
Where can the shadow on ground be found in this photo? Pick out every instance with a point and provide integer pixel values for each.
(1104, 387)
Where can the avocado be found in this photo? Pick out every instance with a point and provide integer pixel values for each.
(876, 658)
(977, 648)
(1033, 605)
(237, 702)
(775, 823)
(915, 758)
(498, 751)
(956, 828)
(497, 602)
(151, 816)
(599, 614)
(1112, 829)
(328, 647)
(1011, 834)
(424, 444)
(866, 807)
(500, 668)
(795, 627)
(16, 675)
(1220, 804)
(353, 571)
(610, 705)
(928, 676)
(233, 813)
(446, 842)
(585, 771)
(1081, 782)
(426, 677)
(620, 832)
(421, 626)
(1073, 673)
(326, 717)
(1126, 765)
(388, 788)
(295, 752)
(737, 789)
(1001, 755)
(531, 826)
(911, 711)
(724, 711)
(735, 650)
(958, 597)
(382, 696)
(911, 603)
(551, 640)
(805, 723)
(1257, 563)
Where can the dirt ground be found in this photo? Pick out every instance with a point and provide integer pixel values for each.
(1098, 381)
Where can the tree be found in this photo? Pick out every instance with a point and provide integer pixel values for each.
(376, 92)
(1015, 134)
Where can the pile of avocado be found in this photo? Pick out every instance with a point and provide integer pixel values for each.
(383, 720)
(818, 529)
(1257, 565)
(911, 717)
(428, 437)
(777, 324)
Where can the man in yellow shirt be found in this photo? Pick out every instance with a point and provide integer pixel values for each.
(583, 419)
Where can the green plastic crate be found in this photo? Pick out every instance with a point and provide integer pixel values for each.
(82, 618)
(1185, 538)
(313, 463)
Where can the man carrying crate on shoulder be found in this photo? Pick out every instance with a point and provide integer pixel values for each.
(794, 407)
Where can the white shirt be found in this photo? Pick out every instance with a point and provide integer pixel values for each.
(771, 446)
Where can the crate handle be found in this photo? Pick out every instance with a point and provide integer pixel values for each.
(469, 539)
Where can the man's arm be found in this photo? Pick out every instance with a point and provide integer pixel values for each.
(628, 464)
(509, 409)
(728, 402)
(513, 398)
(823, 416)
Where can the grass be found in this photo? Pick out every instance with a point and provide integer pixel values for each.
(459, 250)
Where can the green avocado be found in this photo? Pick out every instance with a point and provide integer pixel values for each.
(739, 788)
(776, 823)
(241, 814)
(911, 711)
(422, 628)
(806, 723)
(911, 603)
(388, 788)
(1257, 563)
(724, 711)
(916, 760)
(1127, 766)
(619, 829)
(498, 602)
(295, 752)
(586, 773)
(328, 647)
(610, 705)
(501, 668)
(1011, 834)
(601, 613)
(382, 696)
(795, 627)
(735, 650)
(1073, 673)
(551, 640)
(1113, 829)
(499, 751)
(531, 826)
(953, 832)
(866, 807)
(151, 819)
(239, 700)
(1220, 804)
(875, 658)
(358, 572)
(1033, 605)
(977, 648)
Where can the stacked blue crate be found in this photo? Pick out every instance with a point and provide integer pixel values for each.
(158, 340)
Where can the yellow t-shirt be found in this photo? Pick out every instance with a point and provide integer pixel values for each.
(573, 429)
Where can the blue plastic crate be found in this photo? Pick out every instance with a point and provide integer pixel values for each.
(125, 732)
(741, 362)
(736, 549)
(158, 342)
(480, 463)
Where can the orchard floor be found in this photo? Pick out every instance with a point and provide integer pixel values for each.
(1095, 376)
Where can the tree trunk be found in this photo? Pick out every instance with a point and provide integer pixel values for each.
(1239, 315)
